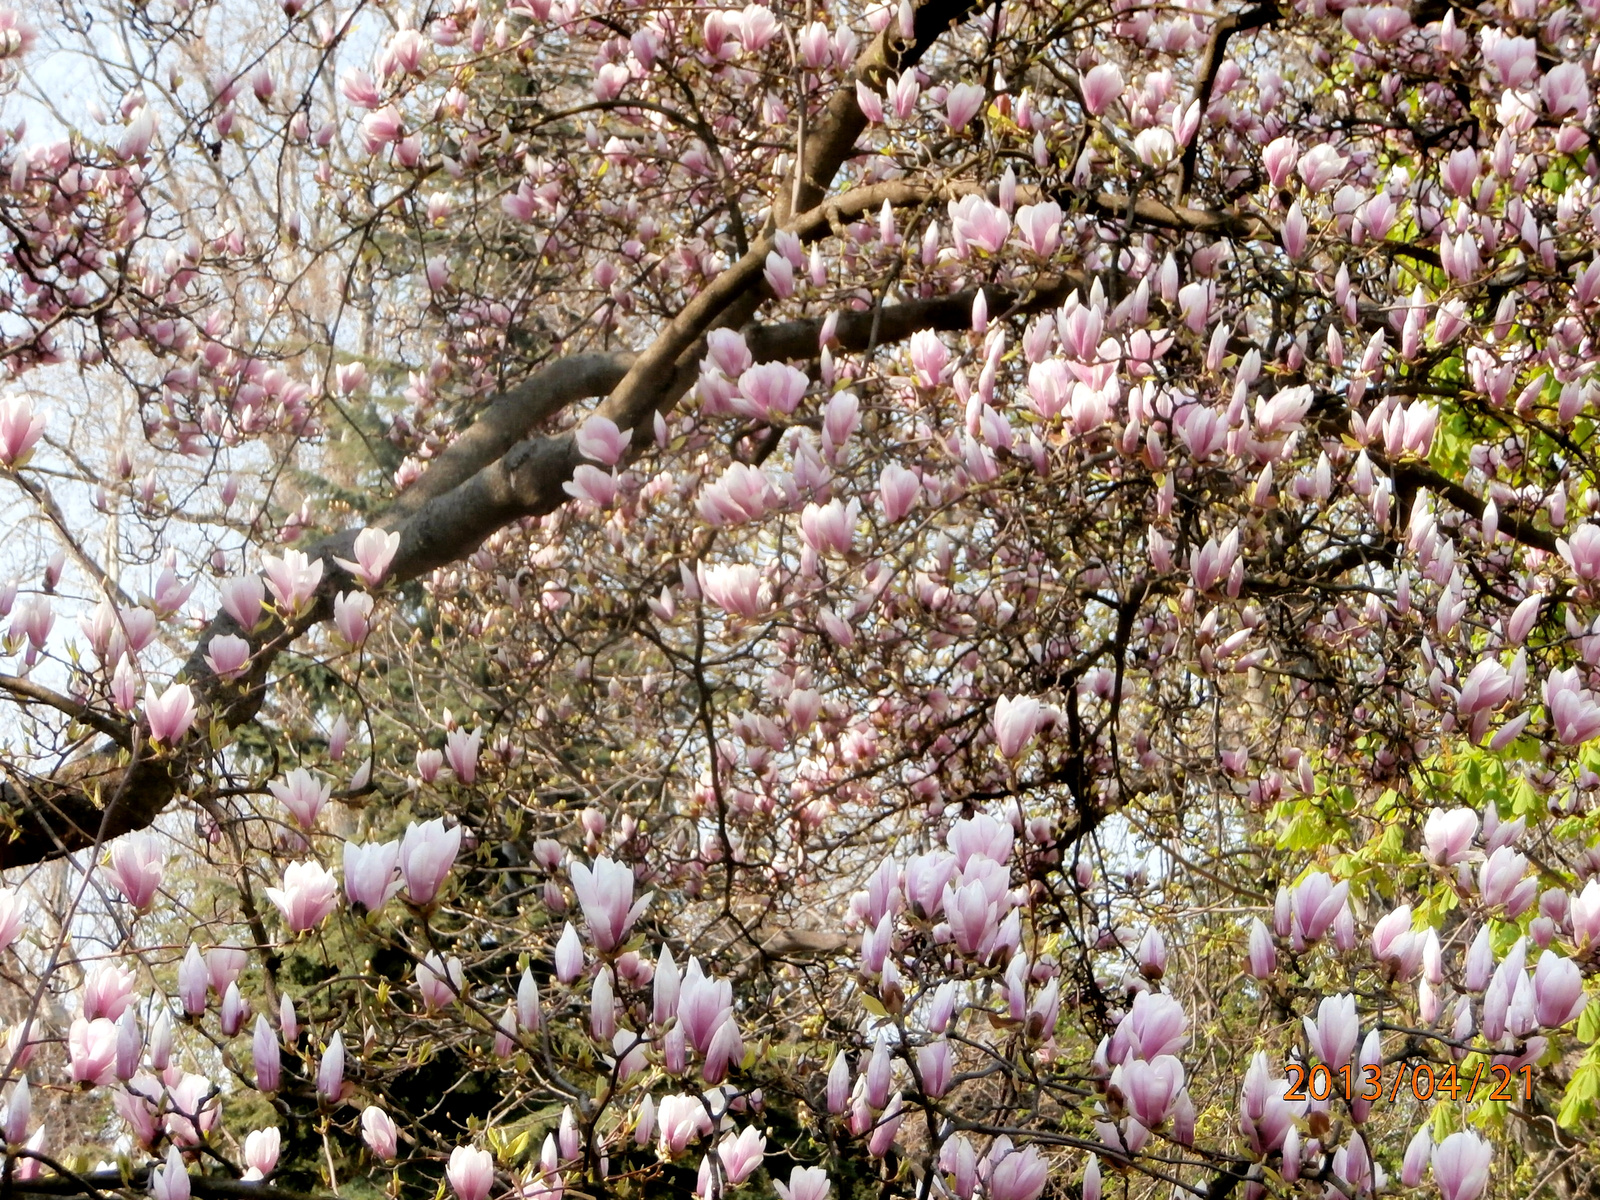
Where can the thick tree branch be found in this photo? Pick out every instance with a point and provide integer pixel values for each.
(841, 121)
(27, 689)
(1221, 30)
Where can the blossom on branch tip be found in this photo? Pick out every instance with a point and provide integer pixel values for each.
(242, 598)
(1461, 1166)
(1016, 720)
(138, 861)
(20, 430)
(227, 655)
(1099, 86)
(605, 891)
(302, 795)
(962, 103)
(292, 580)
(171, 714)
(805, 1183)
(170, 1181)
(92, 1051)
(427, 852)
(379, 1133)
(1013, 1174)
(375, 550)
(308, 895)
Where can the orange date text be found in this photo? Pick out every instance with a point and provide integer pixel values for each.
(1420, 1081)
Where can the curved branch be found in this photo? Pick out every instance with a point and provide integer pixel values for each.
(118, 731)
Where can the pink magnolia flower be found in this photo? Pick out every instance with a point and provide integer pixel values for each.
(1333, 1035)
(108, 990)
(981, 837)
(461, 752)
(1266, 1115)
(227, 655)
(352, 377)
(168, 595)
(1100, 86)
(805, 1183)
(935, 1065)
(261, 1147)
(1415, 1163)
(1016, 720)
(470, 1172)
(929, 358)
(241, 599)
(1557, 990)
(779, 275)
(976, 222)
(1263, 955)
(1039, 227)
(224, 964)
(973, 916)
(138, 134)
(569, 955)
(302, 795)
(20, 430)
(1572, 707)
(170, 714)
(703, 1005)
(427, 852)
(727, 350)
(352, 613)
(830, 528)
(962, 104)
(592, 485)
(1279, 157)
(1316, 903)
(1018, 1174)
(1461, 1166)
(1320, 166)
(769, 389)
(379, 1133)
(599, 439)
(741, 1154)
(1155, 146)
(330, 1071)
(192, 981)
(308, 895)
(137, 863)
(681, 1119)
(733, 587)
(18, 1110)
(92, 1051)
(439, 981)
(887, 1127)
(899, 489)
(381, 127)
(1565, 90)
(170, 1181)
(606, 893)
(292, 579)
(725, 1050)
(841, 418)
(369, 873)
(194, 1109)
(1447, 836)
(266, 1053)
(1582, 551)
(375, 550)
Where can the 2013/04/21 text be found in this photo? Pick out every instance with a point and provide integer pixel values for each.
(1487, 1082)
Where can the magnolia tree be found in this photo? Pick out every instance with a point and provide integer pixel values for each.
(919, 601)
